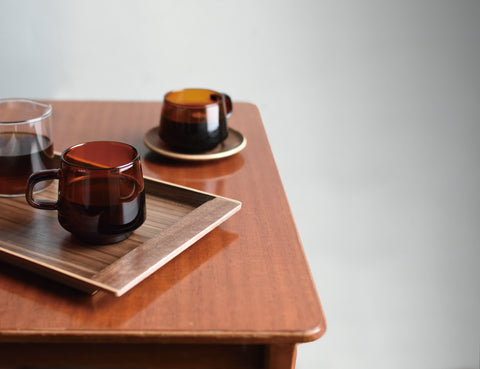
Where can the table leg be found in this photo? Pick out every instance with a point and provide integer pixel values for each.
(281, 356)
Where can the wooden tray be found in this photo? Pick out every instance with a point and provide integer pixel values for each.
(176, 218)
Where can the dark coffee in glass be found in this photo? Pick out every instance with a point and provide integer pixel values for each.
(25, 144)
(101, 195)
(194, 120)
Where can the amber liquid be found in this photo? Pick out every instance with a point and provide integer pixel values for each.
(191, 137)
(21, 154)
(102, 209)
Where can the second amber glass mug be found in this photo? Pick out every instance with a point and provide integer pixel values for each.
(194, 120)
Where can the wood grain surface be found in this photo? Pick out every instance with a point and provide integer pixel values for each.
(176, 218)
(247, 281)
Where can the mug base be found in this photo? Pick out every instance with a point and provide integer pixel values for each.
(192, 145)
(102, 240)
(190, 150)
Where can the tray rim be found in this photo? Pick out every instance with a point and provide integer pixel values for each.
(94, 283)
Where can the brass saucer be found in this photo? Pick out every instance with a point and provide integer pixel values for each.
(233, 144)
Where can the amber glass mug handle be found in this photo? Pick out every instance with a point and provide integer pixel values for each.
(228, 104)
(43, 175)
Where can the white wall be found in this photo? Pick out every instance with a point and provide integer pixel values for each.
(372, 109)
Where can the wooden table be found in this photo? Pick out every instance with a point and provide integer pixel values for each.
(241, 297)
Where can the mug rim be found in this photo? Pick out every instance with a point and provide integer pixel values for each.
(46, 114)
(192, 89)
(117, 167)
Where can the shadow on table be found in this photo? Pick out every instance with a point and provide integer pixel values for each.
(53, 295)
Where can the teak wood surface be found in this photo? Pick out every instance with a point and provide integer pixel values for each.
(240, 297)
(176, 218)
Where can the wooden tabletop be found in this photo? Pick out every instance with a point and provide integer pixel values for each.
(247, 281)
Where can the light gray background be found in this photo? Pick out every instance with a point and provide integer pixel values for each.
(372, 110)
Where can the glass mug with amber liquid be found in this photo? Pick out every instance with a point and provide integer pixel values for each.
(101, 193)
(194, 120)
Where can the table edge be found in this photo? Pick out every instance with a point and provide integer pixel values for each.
(86, 336)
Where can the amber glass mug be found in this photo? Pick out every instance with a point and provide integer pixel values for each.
(101, 195)
(194, 120)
